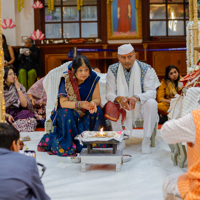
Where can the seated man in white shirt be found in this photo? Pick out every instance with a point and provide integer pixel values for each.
(185, 129)
(130, 85)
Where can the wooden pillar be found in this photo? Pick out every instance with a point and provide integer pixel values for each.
(37, 17)
(145, 45)
(2, 110)
(195, 31)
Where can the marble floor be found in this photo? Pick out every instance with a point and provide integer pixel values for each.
(139, 179)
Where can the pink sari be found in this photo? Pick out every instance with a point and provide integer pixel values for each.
(39, 94)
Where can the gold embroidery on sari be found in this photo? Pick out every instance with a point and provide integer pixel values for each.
(70, 93)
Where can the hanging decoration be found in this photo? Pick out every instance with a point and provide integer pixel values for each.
(79, 4)
(2, 102)
(8, 23)
(109, 1)
(20, 5)
(38, 5)
(37, 35)
(136, 4)
(50, 5)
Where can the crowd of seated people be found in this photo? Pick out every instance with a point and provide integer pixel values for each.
(20, 111)
(77, 107)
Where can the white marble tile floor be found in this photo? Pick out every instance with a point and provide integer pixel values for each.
(139, 179)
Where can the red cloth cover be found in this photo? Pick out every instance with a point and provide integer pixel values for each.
(112, 112)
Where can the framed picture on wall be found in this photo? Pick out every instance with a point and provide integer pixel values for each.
(124, 19)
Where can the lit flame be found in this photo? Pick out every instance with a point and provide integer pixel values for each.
(101, 129)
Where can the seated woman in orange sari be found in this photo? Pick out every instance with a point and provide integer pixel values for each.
(169, 87)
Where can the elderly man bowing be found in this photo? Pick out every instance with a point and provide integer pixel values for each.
(130, 91)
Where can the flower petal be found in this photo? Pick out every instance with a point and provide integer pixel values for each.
(13, 26)
(7, 22)
(42, 37)
(41, 6)
(11, 23)
(33, 36)
(37, 34)
(4, 26)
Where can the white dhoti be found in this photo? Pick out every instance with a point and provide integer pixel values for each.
(149, 114)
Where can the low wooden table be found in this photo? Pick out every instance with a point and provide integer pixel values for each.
(101, 156)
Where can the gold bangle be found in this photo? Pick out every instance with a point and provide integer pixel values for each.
(118, 99)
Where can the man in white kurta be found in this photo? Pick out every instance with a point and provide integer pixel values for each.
(130, 83)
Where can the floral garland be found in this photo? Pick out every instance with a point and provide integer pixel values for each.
(20, 4)
(79, 4)
(191, 45)
(50, 5)
(188, 45)
(136, 4)
(108, 1)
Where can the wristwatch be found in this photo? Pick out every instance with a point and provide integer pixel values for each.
(18, 89)
(137, 97)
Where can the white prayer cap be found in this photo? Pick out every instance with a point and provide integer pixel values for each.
(125, 49)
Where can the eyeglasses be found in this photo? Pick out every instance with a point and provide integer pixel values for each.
(11, 74)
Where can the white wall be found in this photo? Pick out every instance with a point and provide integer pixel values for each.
(24, 20)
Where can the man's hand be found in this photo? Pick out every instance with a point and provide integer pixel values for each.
(124, 103)
(132, 101)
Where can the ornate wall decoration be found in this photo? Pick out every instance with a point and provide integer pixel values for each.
(8, 23)
(37, 35)
(38, 5)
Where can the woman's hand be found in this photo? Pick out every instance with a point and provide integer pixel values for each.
(6, 64)
(94, 110)
(17, 86)
(87, 105)
(10, 119)
(33, 101)
(40, 103)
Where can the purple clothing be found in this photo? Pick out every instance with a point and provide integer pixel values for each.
(23, 117)
(19, 113)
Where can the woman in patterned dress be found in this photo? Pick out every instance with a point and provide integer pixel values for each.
(77, 109)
